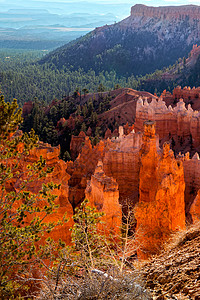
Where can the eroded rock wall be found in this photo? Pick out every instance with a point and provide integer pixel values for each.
(161, 207)
(58, 176)
(103, 194)
(180, 122)
(82, 169)
(122, 163)
(192, 181)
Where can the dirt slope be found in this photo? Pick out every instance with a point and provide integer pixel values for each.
(175, 274)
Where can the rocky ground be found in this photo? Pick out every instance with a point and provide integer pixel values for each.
(175, 274)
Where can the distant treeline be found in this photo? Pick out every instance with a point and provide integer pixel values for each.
(21, 77)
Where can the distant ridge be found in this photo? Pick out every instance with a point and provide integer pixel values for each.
(192, 11)
(150, 38)
(28, 11)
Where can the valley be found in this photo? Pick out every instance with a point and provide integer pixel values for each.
(100, 153)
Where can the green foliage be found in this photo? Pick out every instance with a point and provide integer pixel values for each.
(85, 234)
(91, 267)
(22, 213)
(66, 156)
(101, 88)
(9, 118)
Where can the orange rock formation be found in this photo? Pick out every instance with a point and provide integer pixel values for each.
(82, 170)
(102, 193)
(188, 94)
(177, 122)
(166, 12)
(134, 169)
(58, 176)
(195, 209)
(192, 181)
(76, 144)
(121, 161)
(161, 207)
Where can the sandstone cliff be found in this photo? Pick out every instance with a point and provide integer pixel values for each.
(195, 209)
(157, 35)
(82, 170)
(76, 144)
(123, 107)
(122, 163)
(166, 12)
(58, 176)
(102, 193)
(179, 122)
(189, 95)
(161, 207)
(192, 182)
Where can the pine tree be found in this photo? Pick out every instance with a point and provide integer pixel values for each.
(18, 236)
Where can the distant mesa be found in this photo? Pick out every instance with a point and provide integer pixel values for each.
(166, 12)
(157, 35)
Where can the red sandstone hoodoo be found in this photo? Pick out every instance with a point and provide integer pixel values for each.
(132, 167)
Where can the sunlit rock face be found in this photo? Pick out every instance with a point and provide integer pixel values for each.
(103, 194)
(82, 169)
(76, 144)
(166, 12)
(58, 176)
(161, 207)
(122, 163)
(192, 182)
(181, 123)
(195, 209)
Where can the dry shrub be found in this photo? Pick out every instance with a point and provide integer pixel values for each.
(98, 287)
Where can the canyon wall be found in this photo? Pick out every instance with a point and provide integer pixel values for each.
(58, 176)
(192, 181)
(161, 207)
(103, 194)
(195, 209)
(177, 122)
(82, 169)
(122, 163)
(76, 144)
(189, 95)
(166, 12)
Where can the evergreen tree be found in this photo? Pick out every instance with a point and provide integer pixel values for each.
(18, 238)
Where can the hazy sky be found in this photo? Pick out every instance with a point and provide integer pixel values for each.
(147, 2)
(132, 2)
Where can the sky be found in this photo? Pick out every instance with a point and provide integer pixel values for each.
(132, 2)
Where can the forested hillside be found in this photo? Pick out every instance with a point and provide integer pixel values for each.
(149, 39)
(23, 78)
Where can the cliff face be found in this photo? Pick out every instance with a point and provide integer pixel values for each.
(156, 35)
(161, 207)
(102, 193)
(189, 95)
(179, 122)
(192, 182)
(166, 12)
(166, 20)
(123, 107)
(122, 163)
(82, 170)
(76, 144)
(58, 176)
(195, 209)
